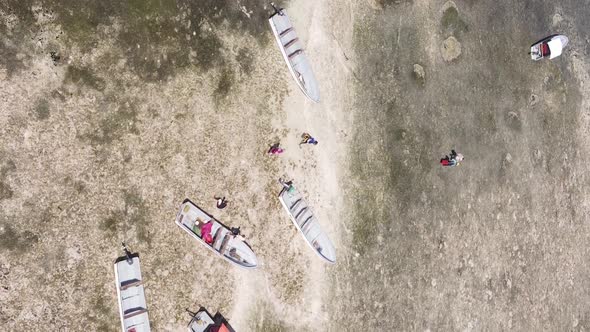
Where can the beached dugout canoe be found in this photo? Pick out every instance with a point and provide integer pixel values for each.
(292, 50)
(130, 293)
(224, 243)
(303, 218)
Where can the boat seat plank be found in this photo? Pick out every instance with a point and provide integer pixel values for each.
(305, 222)
(297, 202)
(300, 212)
(291, 42)
(130, 283)
(135, 313)
(286, 31)
(295, 53)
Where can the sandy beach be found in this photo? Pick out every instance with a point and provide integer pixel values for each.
(113, 113)
(102, 144)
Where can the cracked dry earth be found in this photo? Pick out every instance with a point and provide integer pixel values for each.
(112, 113)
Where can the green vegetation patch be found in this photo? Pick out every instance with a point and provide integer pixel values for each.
(42, 110)
(84, 76)
(159, 37)
(134, 214)
(388, 3)
(452, 22)
(101, 313)
(15, 241)
(14, 32)
(6, 167)
(5, 191)
(111, 223)
(224, 85)
(115, 124)
(246, 59)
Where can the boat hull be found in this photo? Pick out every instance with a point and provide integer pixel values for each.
(292, 50)
(223, 244)
(302, 217)
(536, 51)
(131, 295)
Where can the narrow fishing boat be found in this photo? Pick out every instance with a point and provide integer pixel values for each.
(303, 218)
(215, 236)
(551, 47)
(292, 51)
(130, 293)
(202, 321)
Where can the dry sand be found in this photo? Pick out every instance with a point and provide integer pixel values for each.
(151, 102)
(100, 148)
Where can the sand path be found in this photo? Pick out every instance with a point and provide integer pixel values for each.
(315, 169)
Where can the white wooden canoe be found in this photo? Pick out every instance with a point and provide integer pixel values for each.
(292, 49)
(551, 47)
(130, 292)
(233, 249)
(303, 218)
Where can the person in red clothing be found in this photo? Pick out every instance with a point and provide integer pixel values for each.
(453, 160)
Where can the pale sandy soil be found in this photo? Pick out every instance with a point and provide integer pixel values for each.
(93, 154)
(151, 102)
(498, 243)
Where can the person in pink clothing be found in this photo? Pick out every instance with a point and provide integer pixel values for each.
(275, 149)
(206, 232)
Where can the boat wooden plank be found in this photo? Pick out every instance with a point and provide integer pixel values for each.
(135, 313)
(291, 42)
(286, 31)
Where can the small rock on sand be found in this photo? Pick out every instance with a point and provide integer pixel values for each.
(451, 49)
(419, 74)
(556, 20)
(506, 161)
